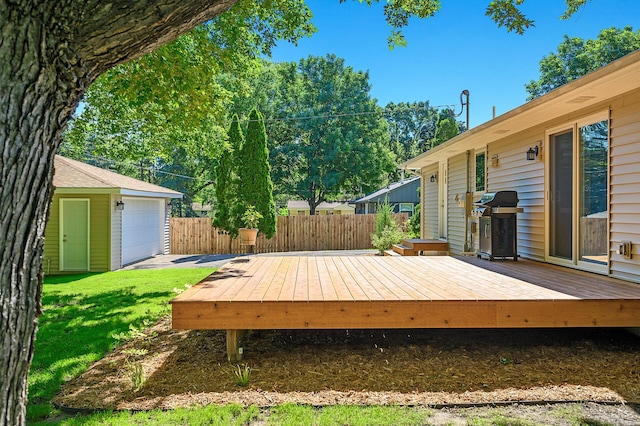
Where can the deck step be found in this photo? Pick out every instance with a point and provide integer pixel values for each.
(419, 245)
(404, 250)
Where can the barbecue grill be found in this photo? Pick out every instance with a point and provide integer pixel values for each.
(497, 212)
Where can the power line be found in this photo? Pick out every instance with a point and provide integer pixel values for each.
(138, 166)
(351, 114)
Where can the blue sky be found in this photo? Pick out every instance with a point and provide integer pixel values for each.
(459, 48)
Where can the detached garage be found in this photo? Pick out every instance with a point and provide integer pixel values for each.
(101, 220)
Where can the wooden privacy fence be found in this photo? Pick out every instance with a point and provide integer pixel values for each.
(294, 233)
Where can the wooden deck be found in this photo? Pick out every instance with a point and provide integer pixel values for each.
(349, 292)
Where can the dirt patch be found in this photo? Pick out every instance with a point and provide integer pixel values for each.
(412, 367)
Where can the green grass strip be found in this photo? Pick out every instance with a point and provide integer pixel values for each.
(83, 313)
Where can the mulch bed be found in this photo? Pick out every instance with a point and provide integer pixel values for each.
(323, 367)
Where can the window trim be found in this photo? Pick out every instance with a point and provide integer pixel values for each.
(478, 153)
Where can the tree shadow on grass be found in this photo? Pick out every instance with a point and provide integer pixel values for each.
(76, 330)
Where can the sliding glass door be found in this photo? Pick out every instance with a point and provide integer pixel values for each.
(577, 194)
(561, 195)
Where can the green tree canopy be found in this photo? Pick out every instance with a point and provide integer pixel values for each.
(327, 135)
(576, 57)
(171, 105)
(412, 128)
(446, 128)
(417, 127)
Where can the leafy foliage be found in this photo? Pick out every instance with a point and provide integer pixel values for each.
(413, 226)
(242, 375)
(255, 188)
(416, 127)
(327, 136)
(227, 180)
(576, 57)
(251, 217)
(507, 13)
(168, 108)
(446, 128)
(387, 231)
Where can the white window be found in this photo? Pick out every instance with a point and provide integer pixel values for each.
(480, 171)
(406, 208)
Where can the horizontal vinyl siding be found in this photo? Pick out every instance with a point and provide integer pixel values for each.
(167, 228)
(100, 233)
(99, 229)
(51, 264)
(430, 203)
(625, 185)
(515, 173)
(457, 186)
(116, 234)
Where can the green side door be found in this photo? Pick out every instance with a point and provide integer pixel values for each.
(74, 234)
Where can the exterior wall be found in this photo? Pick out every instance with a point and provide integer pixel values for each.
(116, 234)
(365, 208)
(624, 184)
(99, 229)
(407, 193)
(515, 173)
(430, 203)
(528, 178)
(457, 187)
(167, 227)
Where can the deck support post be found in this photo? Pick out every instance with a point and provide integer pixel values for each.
(234, 351)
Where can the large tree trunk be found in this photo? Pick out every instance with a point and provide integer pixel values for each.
(50, 51)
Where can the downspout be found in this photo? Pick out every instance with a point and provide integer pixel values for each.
(467, 206)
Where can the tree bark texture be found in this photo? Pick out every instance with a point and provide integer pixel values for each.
(50, 52)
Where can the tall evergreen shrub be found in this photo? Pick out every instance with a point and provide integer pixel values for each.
(227, 181)
(255, 187)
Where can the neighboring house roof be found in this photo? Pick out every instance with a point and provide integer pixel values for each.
(200, 208)
(381, 193)
(612, 80)
(325, 205)
(73, 176)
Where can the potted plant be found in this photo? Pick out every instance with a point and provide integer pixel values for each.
(250, 218)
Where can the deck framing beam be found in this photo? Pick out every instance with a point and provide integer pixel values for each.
(406, 314)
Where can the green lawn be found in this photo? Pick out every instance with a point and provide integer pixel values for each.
(83, 313)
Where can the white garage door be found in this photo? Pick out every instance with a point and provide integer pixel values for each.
(142, 229)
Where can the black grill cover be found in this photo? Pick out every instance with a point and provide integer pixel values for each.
(499, 199)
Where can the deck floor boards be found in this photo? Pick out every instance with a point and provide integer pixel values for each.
(403, 292)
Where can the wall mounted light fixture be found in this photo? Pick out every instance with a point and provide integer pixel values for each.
(532, 153)
(434, 177)
(120, 205)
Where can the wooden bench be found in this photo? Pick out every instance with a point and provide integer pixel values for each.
(413, 247)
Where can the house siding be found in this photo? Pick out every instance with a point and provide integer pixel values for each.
(624, 185)
(51, 261)
(99, 230)
(515, 173)
(430, 203)
(167, 228)
(116, 234)
(457, 187)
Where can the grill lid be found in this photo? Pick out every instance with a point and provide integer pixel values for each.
(499, 199)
